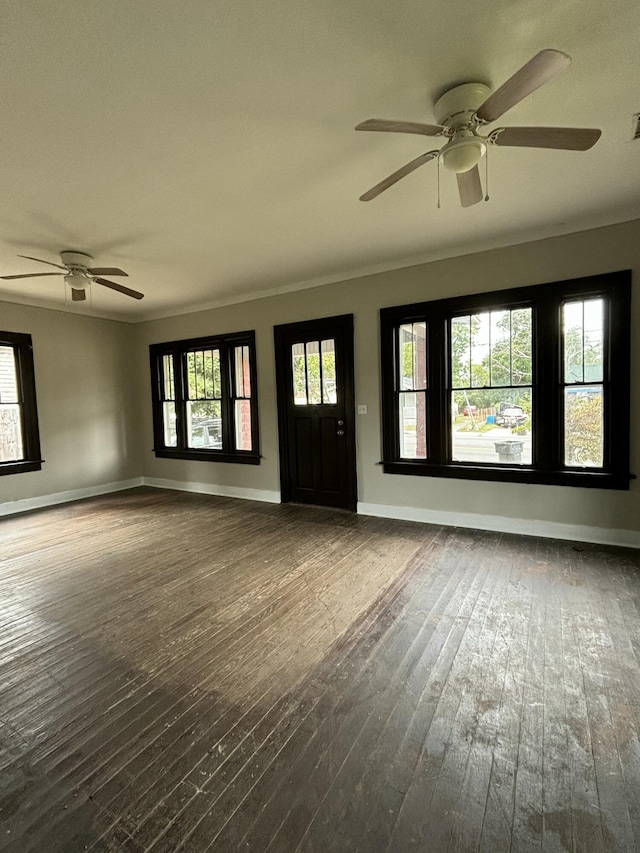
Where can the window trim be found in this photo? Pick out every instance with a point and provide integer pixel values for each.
(547, 300)
(25, 375)
(178, 349)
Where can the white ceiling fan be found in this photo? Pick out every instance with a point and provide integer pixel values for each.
(464, 110)
(78, 274)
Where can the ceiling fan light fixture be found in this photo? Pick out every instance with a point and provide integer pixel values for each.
(77, 281)
(461, 155)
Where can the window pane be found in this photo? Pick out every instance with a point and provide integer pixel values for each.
(313, 373)
(203, 374)
(329, 387)
(480, 349)
(413, 433)
(583, 427)
(460, 352)
(487, 428)
(204, 424)
(583, 337)
(413, 356)
(11, 449)
(520, 338)
(243, 424)
(491, 349)
(169, 424)
(299, 362)
(168, 387)
(243, 372)
(500, 348)
(8, 376)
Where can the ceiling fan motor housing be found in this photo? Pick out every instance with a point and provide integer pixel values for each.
(78, 260)
(456, 110)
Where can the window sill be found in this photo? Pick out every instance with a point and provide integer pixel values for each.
(244, 458)
(511, 474)
(20, 467)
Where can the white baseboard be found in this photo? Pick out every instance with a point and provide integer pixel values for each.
(501, 524)
(213, 489)
(26, 504)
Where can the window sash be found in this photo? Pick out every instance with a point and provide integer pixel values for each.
(18, 395)
(548, 460)
(198, 384)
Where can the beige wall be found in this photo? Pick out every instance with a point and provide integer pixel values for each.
(86, 404)
(94, 404)
(587, 253)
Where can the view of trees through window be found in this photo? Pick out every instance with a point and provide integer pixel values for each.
(206, 396)
(314, 372)
(491, 386)
(583, 332)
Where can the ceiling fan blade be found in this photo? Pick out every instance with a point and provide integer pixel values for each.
(400, 127)
(396, 176)
(567, 138)
(33, 275)
(469, 187)
(106, 271)
(530, 77)
(119, 287)
(78, 295)
(40, 261)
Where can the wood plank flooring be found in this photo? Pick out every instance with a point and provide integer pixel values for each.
(190, 673)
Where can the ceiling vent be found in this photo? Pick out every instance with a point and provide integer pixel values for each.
(635, 133)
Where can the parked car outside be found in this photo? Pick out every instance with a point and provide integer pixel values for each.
(511, 416)
(470, 410)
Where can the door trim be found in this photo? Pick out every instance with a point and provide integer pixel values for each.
(312, 327)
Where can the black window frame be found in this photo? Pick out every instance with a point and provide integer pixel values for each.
(547, 466)
(22, 346)
(178, 350)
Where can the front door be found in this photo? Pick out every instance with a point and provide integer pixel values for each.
(316, 411)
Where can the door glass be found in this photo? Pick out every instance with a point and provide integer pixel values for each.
(314, 395)
(329, 388)
(313, 365)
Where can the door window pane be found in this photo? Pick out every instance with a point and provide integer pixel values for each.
(314, 395)
(299, 367)
(329, 387)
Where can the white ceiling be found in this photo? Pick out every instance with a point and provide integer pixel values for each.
(207, 146)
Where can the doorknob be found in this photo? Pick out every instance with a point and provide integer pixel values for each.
(340, 432)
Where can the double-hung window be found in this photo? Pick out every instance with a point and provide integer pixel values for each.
(204, 398)
(19, 438)
(526, 385)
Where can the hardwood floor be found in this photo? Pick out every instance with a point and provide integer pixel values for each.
(191, 673)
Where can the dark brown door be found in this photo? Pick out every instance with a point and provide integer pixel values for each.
(316, 411)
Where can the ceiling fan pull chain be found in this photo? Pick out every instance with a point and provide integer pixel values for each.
(438, 168)
(486, 175)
